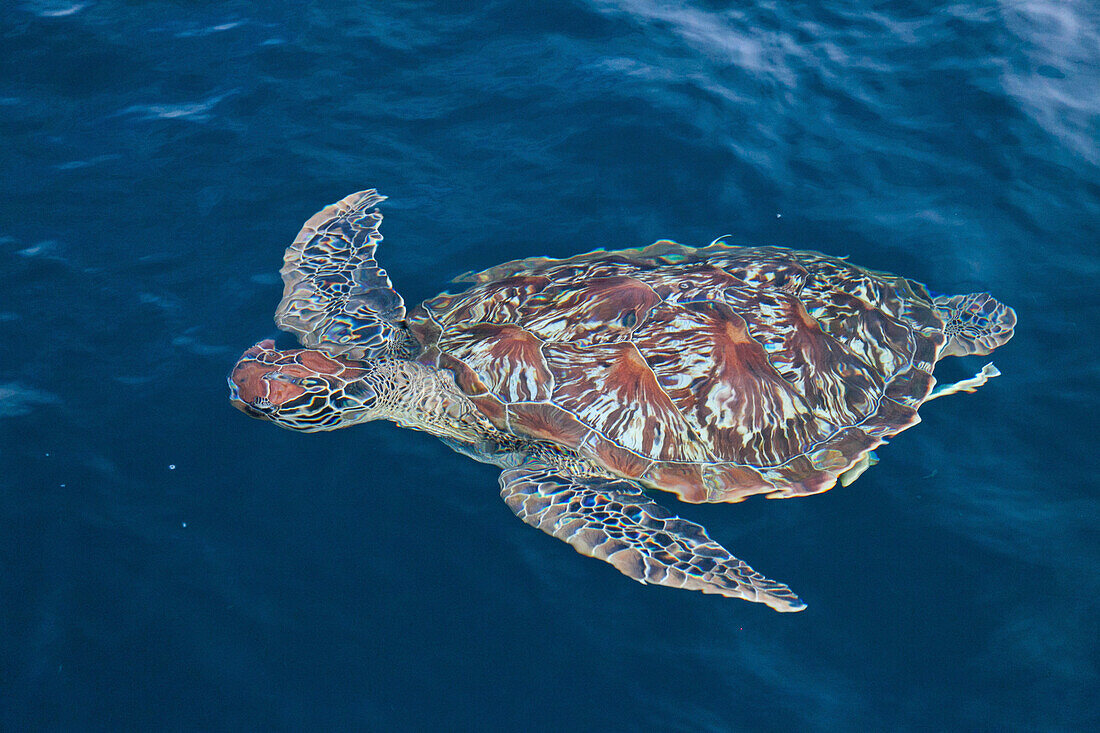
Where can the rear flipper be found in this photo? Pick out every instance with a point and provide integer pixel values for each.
(615, 522)
(967, 385)
(974, 323)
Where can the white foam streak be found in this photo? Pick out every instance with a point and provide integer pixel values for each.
(192, 111)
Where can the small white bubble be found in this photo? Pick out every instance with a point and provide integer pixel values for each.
(183, 524)
(778, 216)
(47, 455)
(62, 485)
(171, 467)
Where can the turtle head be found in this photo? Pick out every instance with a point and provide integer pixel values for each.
(302, 389)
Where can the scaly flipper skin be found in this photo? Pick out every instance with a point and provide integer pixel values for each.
(974, 324)
(336, 297)
(616, 522)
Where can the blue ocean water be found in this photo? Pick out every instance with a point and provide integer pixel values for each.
(167, 563)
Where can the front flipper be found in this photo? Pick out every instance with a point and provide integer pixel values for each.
(616, 522)
(336, 297)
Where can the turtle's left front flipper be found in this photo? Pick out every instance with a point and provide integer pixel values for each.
(616, 522)
(336, 297)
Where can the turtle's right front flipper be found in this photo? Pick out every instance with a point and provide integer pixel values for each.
(616, 522)
(336, 297)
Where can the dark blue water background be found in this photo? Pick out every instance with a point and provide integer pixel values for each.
(167, 563)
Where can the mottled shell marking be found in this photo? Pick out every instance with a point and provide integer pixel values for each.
(716, 372)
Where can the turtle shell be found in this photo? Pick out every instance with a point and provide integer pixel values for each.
(715, 373)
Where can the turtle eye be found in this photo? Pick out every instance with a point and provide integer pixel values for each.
(312, 383)
(280, 377)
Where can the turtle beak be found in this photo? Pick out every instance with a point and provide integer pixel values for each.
(244, 387)
(234, 393)
(236, 401)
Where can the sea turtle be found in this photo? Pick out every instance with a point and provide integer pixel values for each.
(714, 373)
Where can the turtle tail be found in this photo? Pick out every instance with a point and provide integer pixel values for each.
(974, 323)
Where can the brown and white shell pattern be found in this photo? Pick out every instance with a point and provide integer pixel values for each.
(716, 373)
